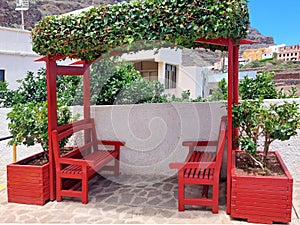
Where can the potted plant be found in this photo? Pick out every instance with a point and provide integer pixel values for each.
(261, 184)
(28, 179)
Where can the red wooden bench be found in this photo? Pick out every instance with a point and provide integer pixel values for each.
(203, 168)
(83, 162)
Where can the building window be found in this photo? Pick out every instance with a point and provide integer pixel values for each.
(2, 75)
(170, 76)
(148, 69)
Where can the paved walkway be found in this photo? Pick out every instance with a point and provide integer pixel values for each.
(150, 200)
(127, 199)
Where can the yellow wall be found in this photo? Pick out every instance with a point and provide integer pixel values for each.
(253, 54)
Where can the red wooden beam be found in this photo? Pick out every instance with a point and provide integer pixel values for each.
(225, 41)
(71, 70)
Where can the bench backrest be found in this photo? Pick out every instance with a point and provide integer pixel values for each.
(89, 140)
(219, 143)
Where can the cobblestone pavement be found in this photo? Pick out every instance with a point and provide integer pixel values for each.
(124, 199)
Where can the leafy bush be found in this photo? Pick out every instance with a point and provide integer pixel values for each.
(6, 95)
(100, 30)
(219, 93)
(273, 122)
(141, 91)
(33, 89)
(28, 123)
(262, 86)
(107, 80)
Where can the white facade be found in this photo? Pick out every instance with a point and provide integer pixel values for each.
(192, 78)
(275, 48)
(16, 55)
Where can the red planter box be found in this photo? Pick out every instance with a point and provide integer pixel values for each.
(28, 184)
(261, 199)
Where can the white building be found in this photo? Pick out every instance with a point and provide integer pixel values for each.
(174, 68)
(16, 55)
(269, 52)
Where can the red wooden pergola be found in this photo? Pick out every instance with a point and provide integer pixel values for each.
(83, 68)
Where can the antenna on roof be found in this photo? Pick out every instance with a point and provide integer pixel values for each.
(22, 5)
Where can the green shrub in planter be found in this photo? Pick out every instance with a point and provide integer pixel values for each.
(28, 123)
(270, 122)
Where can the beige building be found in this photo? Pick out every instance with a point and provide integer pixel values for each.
(289, 53)
(177, 69)
(253, 54)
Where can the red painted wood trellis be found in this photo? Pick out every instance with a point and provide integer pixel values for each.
(54, 70)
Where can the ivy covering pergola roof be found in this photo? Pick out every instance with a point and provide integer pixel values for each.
(134, 26)
(91, 33)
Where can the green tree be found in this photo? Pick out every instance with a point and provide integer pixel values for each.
(28, 123)
(6, 95)
(219, 93)
(33, 89)
(263, 87)
(256, 120)
(141, 91)
(115, 82)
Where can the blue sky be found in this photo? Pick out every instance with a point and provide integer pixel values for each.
(277, 18)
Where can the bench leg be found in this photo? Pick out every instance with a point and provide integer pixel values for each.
(84, 186)
(58, 188)
(180, 192)
(215, 198)
(117, 166)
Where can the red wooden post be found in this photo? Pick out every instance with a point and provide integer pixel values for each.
(229, 125)
(52, 118)
(86, 99)
(235, 88)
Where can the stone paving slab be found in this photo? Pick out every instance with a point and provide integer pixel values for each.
(127, 199)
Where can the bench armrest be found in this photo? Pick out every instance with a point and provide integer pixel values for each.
(108, 142)
(199, 143)
(81, 162)
(192, 165)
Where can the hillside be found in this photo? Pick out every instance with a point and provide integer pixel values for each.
(39, 8)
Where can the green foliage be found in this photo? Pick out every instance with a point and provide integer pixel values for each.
(254, 64)
(33, 89)
(141, 91)
(273, 64)
(185, 97)
(262, 86)
(248, 145)
(219, 93)
(6, 95)
(272, 122)
(28, 123)
(133, 24)
(108, 79)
